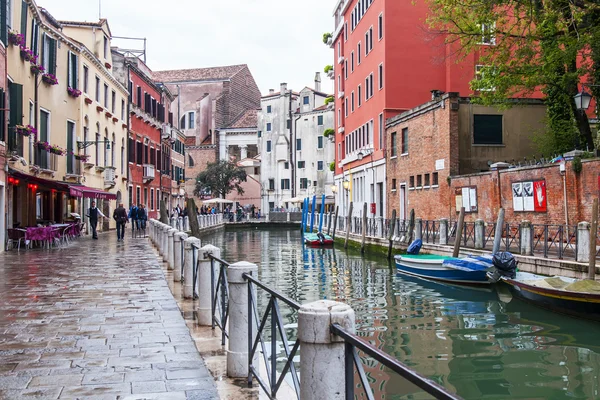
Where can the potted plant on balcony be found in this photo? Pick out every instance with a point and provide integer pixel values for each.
(326, 37)
(15, 38)
(82, 157)
(50, 79)
(54, 149)
(328, 100)
(328, 132)
(328, 68)
(73, 92)
(332, 166)
(25, 130)
(27, 55)
(37, 69)
(43, 146)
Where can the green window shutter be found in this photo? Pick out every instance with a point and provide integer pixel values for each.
(24, 9)
(2, 115)
(3, 26)
(16, 104)
(52, 56)
(76, 71)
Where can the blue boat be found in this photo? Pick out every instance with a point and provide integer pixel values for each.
(467, 271)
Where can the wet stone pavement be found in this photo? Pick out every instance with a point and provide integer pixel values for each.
(95, 320)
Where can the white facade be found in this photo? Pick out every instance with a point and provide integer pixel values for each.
(300, 152)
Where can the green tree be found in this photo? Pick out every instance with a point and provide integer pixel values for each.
(534, 44)
(220, 178)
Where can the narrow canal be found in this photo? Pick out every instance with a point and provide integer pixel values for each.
(465, 339)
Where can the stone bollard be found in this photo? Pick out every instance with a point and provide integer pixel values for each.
(151, 230)
(320, 351)
(171, 251)
(186, 224)
(526, 238)
(379, 226)
(165, 242)
(583, 242)
(178, 256)
(159, 240)
(188, 269)
(180, 223)
(418, 228)
(444, 231)
(205, 278)
(237, 354)
(479, 233)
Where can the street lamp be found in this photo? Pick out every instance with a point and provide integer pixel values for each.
(346, 184)
(334, 189)
(583, 100)
(84, 144)
(362, 155)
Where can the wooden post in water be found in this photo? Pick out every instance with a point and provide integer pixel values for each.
(364, 228)
(337, 208)
(459, 228)
(498, 233)
(411, 226)
(349, 221)
(391, 233)
(593, 233)
(329, 214)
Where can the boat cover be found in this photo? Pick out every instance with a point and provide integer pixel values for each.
(471, 263)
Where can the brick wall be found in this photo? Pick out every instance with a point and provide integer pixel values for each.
(201, 155)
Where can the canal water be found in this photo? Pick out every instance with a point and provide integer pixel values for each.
(465, 339)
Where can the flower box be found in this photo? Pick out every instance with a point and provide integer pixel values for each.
(115, 119)
(43, 146)
(82, 157)
(57, 150)
(25, 130)
(99, 108)
(124, 126)
(73, 92)
(37, 69)
(50, 79)
(27, 55)
(88, 100)
(108, 114)
(15, 38)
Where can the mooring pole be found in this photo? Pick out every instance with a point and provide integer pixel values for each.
(391, 234)
(459, 228)
(593, 238)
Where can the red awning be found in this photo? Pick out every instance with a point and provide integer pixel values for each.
(91, 193)
(46, 183)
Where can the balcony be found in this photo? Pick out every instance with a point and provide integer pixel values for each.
(341, 129)
(340, 94)
(340, 59)
(109, 177)
(331, 74)
(149, 173)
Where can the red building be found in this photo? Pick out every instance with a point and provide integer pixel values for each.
(386, 62)
(151, 136)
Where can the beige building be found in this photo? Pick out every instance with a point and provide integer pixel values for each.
(45, 75)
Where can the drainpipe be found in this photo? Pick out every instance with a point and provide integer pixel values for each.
(292, 158)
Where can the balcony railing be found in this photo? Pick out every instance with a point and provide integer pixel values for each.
(109, 176)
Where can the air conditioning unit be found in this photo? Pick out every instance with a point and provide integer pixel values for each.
(167, 132)
(148, 172)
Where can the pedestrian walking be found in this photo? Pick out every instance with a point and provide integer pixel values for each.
(133, 216)
(93, 214)
(120, 215)
(142, 216)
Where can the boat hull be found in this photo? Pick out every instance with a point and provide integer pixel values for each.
(583, 305)
(314, 241)
(433, 269)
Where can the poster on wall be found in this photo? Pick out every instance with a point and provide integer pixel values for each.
(539, 196)
(466, 197)
(528, 196)
(517, 191)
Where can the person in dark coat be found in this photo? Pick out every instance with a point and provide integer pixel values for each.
(133, 216)
(120, 215)
(142, 216)
(93, 214)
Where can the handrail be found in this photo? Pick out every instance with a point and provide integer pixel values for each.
(429, 386)
(273, 292)
(219, 295)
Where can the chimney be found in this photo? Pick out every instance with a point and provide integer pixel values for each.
(283, 88)
(271, 91)
(318, 81)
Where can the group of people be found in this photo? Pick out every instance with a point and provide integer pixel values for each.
(137, 215)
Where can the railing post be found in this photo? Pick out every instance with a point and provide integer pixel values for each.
(171, 244)
(320, 351)
(173, 221)
(379, 226)
(180, 223)
(444, 231)
(418, 228)
(583, 242)
(237, 354)
(526, 238)
(161, 238)
(479, 233)
(178, 256)
(186, 223)
(188, 269)
(165, 242)
(206, 283)
(151, 230)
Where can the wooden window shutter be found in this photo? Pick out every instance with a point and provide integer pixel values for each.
(16, 104)
(2, 115)
(24, 9)
(3, 26)
(53, 56)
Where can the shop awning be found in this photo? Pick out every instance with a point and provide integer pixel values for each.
(91, 193)
(46, 183)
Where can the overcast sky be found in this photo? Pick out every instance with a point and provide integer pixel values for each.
(280, 40)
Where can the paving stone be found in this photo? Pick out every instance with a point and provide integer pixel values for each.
(42, 393)
(63, 380)
(157, 396)
(14, 382)
(148, 387)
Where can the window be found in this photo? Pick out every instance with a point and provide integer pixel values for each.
(15, 99)
(393, 145)
(98, 89)
(130, 90)
(381, 131)
(345, 69)
(352, 101)
(70, 147)
(301, 164)
(35, 37)
(113, 102)
(368, 41)
(145, 196)
(157, 198)
(369, 87)
(86, 73)
(358, 53)
(346, 106)
(139, 97)
(426, 180)
(138, 153)
(152, 199)
(268, 127)
(483, 73)
(49, 54)
(339, 83)
(43, 157)
(268, 146)
(259, 134)
(138, 195)
(285, 184)
(380, 76)
(487, 129)
(122, 109)
(288, 124)
(411, 182)
(271, 184)
(319, 165)
(303, 183)
(72, 70)
(352, 61)
(404, 140)
(105, 96)
(434, 179)
(319, 120)
(394, 184)
(380, 26)
(359, 95)
(286, 165)
(488, 35)
(306, 100)
(319, 142)
(268, 109)
(345, 31)
(105, 47)
(419, 181)
(188, 121)
(298, 144)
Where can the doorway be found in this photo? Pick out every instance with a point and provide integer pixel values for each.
(380, 190)
(403, 201)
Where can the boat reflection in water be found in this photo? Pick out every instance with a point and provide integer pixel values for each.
(465, 339)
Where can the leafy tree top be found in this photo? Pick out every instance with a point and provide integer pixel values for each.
(220, 178)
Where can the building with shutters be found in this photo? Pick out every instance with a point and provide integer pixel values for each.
(3, 135)
(60, 84)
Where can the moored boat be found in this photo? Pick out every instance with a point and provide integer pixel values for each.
(317, 239)
(468, 270)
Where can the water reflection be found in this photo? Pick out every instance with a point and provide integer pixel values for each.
(465, 339)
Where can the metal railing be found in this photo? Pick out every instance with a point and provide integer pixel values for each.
(352, 360)
(273, 383)
(219, 294)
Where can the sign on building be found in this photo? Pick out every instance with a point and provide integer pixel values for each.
(529, 196)
(466, 197)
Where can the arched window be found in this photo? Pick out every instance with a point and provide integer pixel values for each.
(105, 149)
(123, 157)
(188, 120)
(86, 128)
(190, 161)
(112, 150)
(97, 143)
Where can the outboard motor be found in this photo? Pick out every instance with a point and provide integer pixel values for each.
(321, 237)
(415, 247)
(505, 266)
